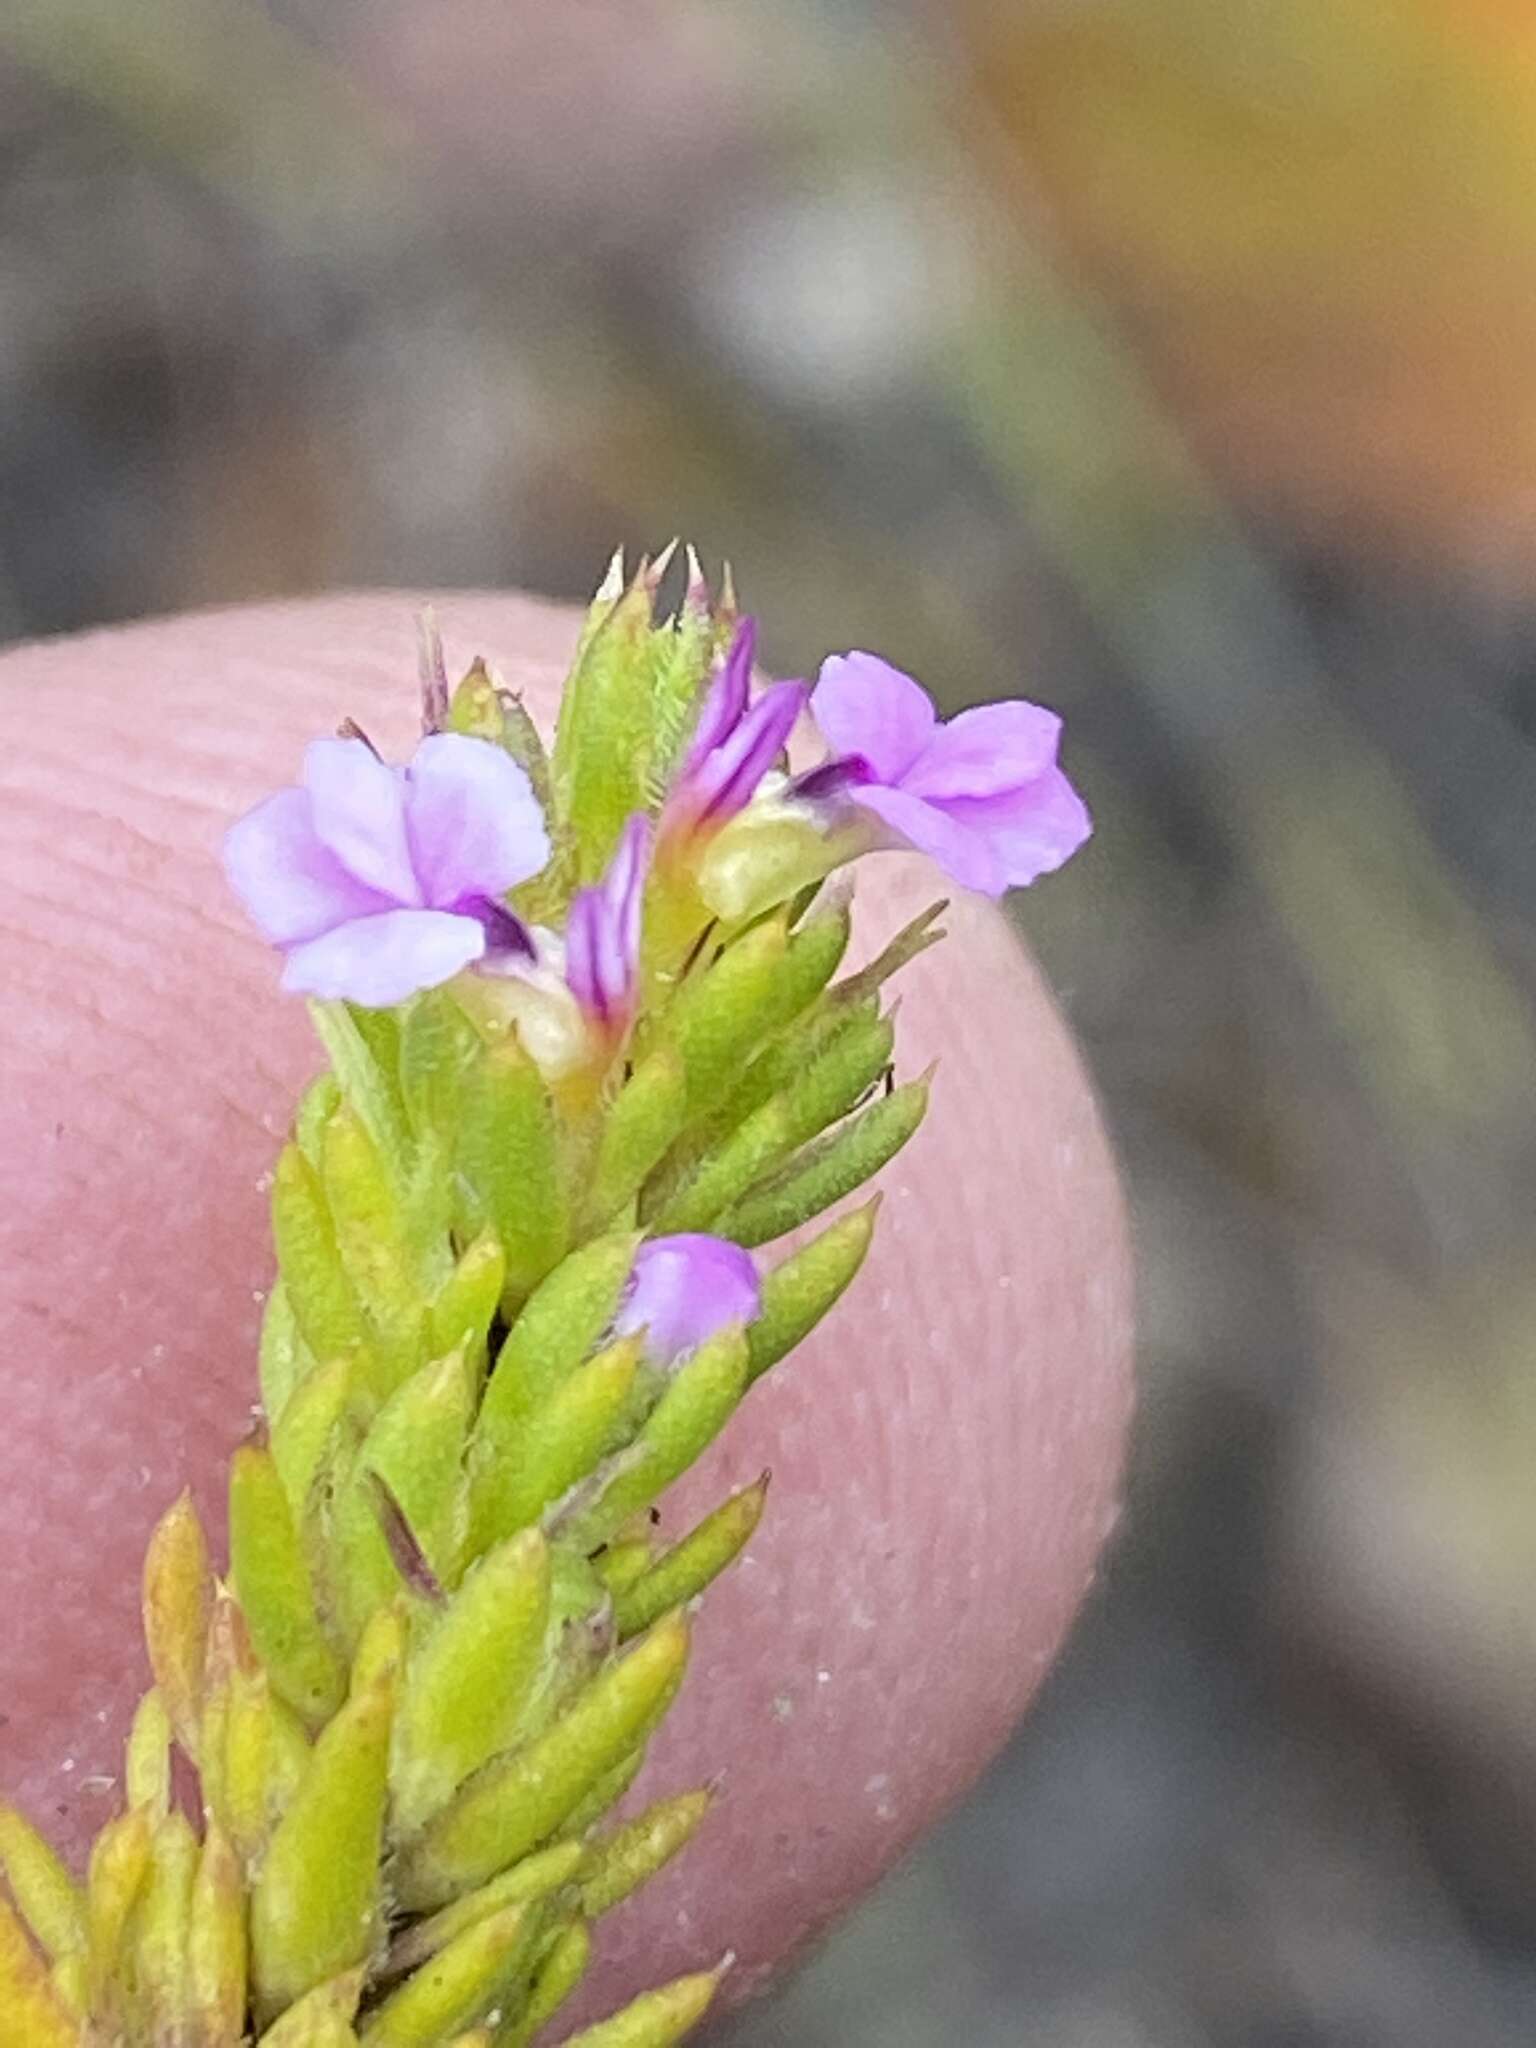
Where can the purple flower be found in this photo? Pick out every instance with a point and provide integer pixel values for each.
(602, 935)
(684, 1289)
(374, 881)
(982, 795)
(735, 742)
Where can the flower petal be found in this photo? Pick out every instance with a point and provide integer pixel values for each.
(725, 701)
(864, 706)
(358, 804)
(292, 885)
(984, 752)
(378, 961)
(964, 854)
(473, 821)
(725, 783)
(1032, 831)
(684, 1289)
(602, 932)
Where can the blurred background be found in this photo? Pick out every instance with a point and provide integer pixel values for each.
(1173, 361)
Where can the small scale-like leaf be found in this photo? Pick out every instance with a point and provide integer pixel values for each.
(534, 1878)
(283, 1358)
(374, 1244)
(161, 1927)
(829, 1169)
(509, 1154)
(364, 1049)
(800, 1289)
(716, 1019)
(416, 1446)
(33, 2008)
(683, 1572)
(50, 1901)
(467, 1683)
(518, 1802)
(635, 1852)
(316, 1288)
(217, 1957)
(272, 1583)
(177, 1598)
(559, 1443)
(457, 1986)
(913, 938)
(557, 1328)
(320, 1098)
(657, 2018)
(301, 1435)
(118, 1868)
(266, 1756)
(563, 1966)
(699, 1400)
(645, 1117)
(322, 2018)
(316, 1900)
(147, 1766)
(826, 1090)
(460, 1314)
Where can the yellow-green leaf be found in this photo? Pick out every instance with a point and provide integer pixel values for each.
(519, 1801)
(273, 1585)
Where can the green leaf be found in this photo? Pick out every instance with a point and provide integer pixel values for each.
(828, 1089)
(909, 942)
(699, 1400)
(32, 2006)
(176, 1601)
(558, 1444)
(468, 1680)
(509, 1154)
(829, 1169)
(317, 1899)
(50, 1901)
(516, 1803)
(273, 1585)
(161, 1926)
(635, 1852)
(374, 1244)
(321, 2018)
(548, 1870)
(416, 1446)
(217, 1958)
(461, 1312)
(645, 1117)
(716, 1019)
(459, 1985)
(559, 1325)
(316, 1104)
(363, 1048)
(318, 1292)
(657, 2018)
(284, 1358)
(683, 1572)
(800, 1289)
(302, 1433)
(603, 739)
(562, 1969)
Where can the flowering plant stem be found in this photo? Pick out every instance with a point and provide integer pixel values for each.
(588, 1044)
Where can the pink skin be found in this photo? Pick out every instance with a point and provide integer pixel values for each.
(946, 1455)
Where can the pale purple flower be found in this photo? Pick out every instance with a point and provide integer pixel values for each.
(683, 1289)
(735, 743)
(602, 935)
(982, 795)
(375, 881)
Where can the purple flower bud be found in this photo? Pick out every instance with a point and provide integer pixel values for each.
(375, 882)
(982, 795)
(602, 935)
(734, 745)
(683, 1289)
